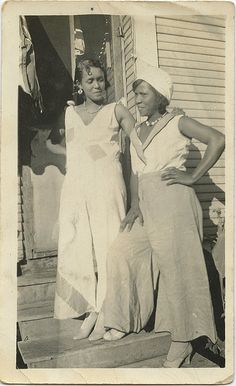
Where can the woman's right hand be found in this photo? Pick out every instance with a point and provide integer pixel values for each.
(57, 149)
(175, 176)
(48, 143)
(130, 218)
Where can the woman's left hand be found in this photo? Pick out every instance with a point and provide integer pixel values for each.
(176, 176)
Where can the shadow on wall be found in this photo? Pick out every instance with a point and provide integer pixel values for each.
(215, 192)
(212, 193)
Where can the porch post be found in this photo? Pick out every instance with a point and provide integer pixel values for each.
(145, 44)
(117, 58)
(145, 41)
(72, 45)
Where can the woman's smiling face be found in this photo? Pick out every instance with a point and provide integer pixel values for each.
(146, 99)
(93, 84)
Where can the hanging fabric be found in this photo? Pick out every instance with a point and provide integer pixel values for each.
(28, 76)
(79, 42)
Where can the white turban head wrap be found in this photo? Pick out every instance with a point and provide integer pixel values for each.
(158, 79)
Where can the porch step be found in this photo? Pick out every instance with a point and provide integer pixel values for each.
(42, 263)
(62, 351)
(38, 277)
(156, 362)
(198, 361)
(36, 286)
(34, 311)
(35, 329)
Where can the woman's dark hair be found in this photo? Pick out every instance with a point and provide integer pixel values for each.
(86, 65)
(162, 101)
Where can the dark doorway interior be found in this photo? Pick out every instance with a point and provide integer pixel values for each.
(51, 41)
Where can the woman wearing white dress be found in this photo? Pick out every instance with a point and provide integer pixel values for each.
(93, 199)
(169, 242)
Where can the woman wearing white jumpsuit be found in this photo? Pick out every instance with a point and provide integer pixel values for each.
(93, 199)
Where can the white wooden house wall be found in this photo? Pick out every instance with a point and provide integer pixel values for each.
(192, 50)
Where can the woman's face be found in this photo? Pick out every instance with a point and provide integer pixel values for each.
(146, 99)
(93, 84)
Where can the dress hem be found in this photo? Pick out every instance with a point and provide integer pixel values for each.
(187, 339)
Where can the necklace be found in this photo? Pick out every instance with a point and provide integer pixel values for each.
(92, 112)
(148, 123)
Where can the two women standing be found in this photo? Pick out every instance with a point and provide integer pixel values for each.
(167, 247)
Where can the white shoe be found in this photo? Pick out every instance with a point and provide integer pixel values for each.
(184, 357)
(113, 335)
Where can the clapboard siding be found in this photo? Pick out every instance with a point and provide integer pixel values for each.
(129, 63)
(192, 64)
(198, 73)
(20, 247)
(202, 97)
(126, 24)
(27, 212)
(197, 81)
(194, 41)
(190, 88)
(196, 57)
(110, 78)
(193, 162)
(193, 113)
(194, 26)
(196, 105)
(192, 50)
(216, 37)
(197, 153)
(110, 90)
(214, 172)
(209, 21)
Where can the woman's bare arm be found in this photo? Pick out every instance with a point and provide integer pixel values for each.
(124, 118)
(215, 142)
(56, 149)
(134, 211)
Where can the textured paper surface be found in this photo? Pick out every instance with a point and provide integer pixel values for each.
(8, 286)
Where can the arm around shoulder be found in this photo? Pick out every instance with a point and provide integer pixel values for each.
(124, 118)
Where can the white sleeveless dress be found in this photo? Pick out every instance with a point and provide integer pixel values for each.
(93, 203)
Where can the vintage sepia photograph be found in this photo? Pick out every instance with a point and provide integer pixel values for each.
(121, 125)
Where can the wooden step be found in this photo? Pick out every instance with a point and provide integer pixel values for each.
(36, 310)
(155, 363)
(39, 277)
(65, 352)
(36, 286)
(49, 327)
(36, 293)
(198, 361)
(39, 264)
